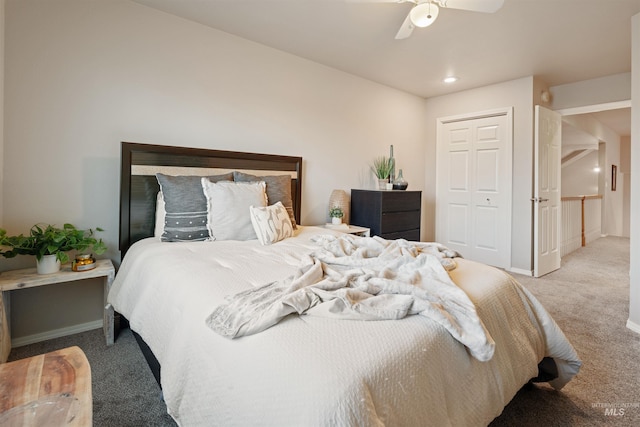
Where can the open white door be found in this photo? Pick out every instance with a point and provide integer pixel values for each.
(546, 198)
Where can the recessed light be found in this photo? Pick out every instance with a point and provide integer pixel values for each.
(450, 79)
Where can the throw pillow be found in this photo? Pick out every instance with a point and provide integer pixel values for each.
(271, 223)
(185, 216)
(228, 208)
(278, 190)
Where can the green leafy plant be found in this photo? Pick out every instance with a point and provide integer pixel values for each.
(51, 240)
(382, 167)
(336, 212)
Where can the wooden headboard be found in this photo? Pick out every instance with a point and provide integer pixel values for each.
(139, 187)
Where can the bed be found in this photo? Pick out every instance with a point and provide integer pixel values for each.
(318, 368)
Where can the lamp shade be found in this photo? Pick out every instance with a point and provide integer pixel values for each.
(340, 199)
(424, 14)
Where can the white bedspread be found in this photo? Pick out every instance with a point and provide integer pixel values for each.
(357, 278)
(319, 371)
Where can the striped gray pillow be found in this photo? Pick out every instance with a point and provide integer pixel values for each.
(185, 206)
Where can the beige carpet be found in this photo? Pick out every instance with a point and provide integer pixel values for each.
(589, 298)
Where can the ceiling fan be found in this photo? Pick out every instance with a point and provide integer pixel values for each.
(425, 12)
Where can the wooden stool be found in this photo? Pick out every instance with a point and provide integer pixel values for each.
(52, 389)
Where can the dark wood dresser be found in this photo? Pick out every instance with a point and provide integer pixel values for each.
(389, 214)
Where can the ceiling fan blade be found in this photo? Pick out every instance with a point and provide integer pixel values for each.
(486, 6)
(405, 29)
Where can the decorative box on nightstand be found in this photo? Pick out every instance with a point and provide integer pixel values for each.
(350, 229)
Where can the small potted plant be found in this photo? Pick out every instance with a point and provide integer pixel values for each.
(336, 214)
(382, 169)
(50, 244)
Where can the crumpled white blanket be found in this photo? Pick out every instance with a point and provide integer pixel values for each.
(358, 278)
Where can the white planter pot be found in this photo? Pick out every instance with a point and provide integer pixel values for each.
(336, 221)
(48, 264)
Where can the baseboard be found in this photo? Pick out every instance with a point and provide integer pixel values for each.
(56, 333)
(520, 271)
(633, 326)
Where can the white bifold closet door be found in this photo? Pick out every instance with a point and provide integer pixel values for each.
(474, 180)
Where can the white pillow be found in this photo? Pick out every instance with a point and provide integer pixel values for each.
(228, 208)
(160, 214)
(271, 223)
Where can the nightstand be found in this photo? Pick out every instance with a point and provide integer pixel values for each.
(350, 229)
(393, 214)
(28, 278)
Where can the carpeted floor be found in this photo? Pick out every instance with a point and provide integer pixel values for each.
(125, 393)
(588, 297)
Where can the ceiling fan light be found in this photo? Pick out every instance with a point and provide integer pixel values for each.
(424, 14)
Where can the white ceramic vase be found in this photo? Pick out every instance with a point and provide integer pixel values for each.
(48, 264)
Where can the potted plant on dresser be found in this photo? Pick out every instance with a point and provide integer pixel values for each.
(382, 169)
(50, 245)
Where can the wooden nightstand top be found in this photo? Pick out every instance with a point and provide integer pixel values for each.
(349, 229)
(29, 278)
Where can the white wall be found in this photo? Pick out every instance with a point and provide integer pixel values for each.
(625, 177)
(2, 26)
(579, 178)
(82, 76)
(613, 201)
(518, 94)
(602, 90)
(634, 300)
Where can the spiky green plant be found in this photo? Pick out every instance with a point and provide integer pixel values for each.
(382, 167)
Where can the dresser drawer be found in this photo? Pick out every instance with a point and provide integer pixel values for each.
(411, 235)
(399, 221)
(400, 201)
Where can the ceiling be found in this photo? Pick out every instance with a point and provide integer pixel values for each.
(560, 41)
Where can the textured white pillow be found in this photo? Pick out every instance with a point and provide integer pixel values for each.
(160, 214)
(271, 223)
(228, 205)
